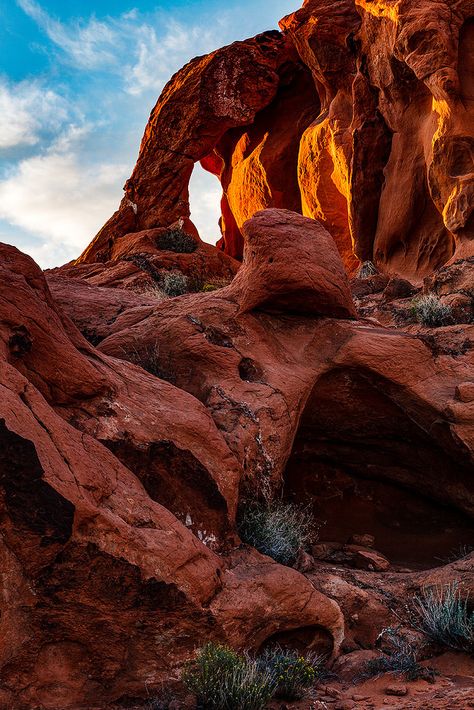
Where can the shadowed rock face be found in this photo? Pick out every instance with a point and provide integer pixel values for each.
(360, 115)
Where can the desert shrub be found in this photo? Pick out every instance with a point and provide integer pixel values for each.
(225, 680)
(399, 658)
(445, 617)
(293, 673)
(276, 529)
(178, 241)
(429, 310)
(174, 283)
(366, 269)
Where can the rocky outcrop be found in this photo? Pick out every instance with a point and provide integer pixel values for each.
(118, 492)
(360, 115)
(122, 466)
(291, 263)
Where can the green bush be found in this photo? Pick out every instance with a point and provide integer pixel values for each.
(276, 529)
(293, 673)
(429, 310)
(399, 658)
(445, 617)
(223, 679)
(175, 283)
(178, 241)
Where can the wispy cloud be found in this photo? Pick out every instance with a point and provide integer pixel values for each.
(26, 109)
(55, 196)
(90, 44)
(143, 53)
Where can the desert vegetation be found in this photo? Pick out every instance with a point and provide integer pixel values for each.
(174, 284)
(223, 679)
(429, 310)
(178, 241)
(446, 617)
(276, 528)
(366, 269)
(398, 657)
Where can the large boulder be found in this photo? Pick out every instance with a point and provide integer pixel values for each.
(291, 263)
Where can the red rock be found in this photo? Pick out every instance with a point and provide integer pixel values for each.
(377, 149)
(398, 288)
(291, 264)
(370, 559)
(398, 690)
(94, 560)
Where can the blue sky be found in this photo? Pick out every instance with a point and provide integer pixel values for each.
(78, 79)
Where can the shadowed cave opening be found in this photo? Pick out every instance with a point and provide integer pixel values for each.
(365, 467)
(302, 639)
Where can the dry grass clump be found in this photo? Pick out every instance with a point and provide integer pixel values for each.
(223, 679)
(174, 284)
(429, 310)
(399, 658)
(445, 617)
(276, 529)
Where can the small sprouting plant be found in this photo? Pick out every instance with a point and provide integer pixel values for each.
(445, 617)
(429, 310)
(175, 283)
(178, 241)
(366, 269)
(399, 658)
(223, 679)
(294, 674)
(276, 529)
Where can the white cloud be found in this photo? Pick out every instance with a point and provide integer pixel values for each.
(144, 55)
(89, 44)
(27, 108)
(159, 56)
(56, 197)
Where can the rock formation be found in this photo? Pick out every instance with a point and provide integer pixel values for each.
(359, 115)
(134, 426)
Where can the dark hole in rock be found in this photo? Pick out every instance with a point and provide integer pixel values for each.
(250, 371)
(32, 504)
(367, 468)
(303, 639)
(176, 479)
(20, 342)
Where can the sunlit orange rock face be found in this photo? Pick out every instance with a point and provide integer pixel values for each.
(360, 114)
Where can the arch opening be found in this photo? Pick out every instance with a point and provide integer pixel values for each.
(205, 194)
